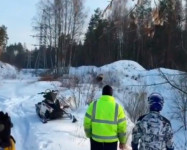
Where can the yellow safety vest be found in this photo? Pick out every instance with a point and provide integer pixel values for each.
(105, 121)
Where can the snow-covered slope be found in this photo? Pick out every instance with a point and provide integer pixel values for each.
(18, 97)
(7, 71)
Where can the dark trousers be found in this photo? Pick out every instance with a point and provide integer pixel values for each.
(102, 146)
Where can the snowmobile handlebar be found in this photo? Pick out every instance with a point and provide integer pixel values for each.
(41, 93)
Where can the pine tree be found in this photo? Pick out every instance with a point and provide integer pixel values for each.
(3, 38)
(93, 39)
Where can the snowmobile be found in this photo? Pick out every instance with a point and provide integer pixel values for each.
(51, 108)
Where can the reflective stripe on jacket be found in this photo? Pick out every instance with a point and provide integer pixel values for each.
(105, 121)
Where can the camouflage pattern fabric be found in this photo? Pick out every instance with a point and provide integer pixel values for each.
(153, 132)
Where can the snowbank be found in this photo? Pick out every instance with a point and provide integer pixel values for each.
(7, 71)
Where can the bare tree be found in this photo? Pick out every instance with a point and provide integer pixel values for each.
(176, 85)
(179, 110)
(78, 20)
(64, 21)
(136, 105)
(179, 105)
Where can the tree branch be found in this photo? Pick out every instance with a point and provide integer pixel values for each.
(173, 85)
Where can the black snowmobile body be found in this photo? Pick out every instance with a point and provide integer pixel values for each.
(50, 108)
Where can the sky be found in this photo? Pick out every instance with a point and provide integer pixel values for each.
(17, 16)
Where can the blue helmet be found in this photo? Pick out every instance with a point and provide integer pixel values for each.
(156, 102)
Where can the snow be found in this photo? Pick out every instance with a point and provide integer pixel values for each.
(19, 94)
(7, 71)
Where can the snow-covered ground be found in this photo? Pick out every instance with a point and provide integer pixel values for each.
(18, 96)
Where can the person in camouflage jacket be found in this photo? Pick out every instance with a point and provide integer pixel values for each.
(153, 131)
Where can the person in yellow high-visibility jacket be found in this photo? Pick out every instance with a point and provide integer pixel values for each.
(105, 122)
